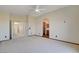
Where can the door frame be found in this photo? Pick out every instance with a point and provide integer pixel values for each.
(46, 19)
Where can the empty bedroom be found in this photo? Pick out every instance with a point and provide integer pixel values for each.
(39, 28)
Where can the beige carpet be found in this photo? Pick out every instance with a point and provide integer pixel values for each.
(36, 44)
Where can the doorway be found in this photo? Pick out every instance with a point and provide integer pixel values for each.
(19, 29)
(46, 28)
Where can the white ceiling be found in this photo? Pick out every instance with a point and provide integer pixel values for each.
(22, 10)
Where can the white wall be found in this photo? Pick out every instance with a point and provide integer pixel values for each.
(32, 24)
(68, 31)
(4, 26)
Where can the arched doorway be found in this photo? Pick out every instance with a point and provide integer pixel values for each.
(46, 28)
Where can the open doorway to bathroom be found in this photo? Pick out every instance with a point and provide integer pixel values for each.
(46, 28)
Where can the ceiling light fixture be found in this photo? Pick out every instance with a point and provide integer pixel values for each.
(37, 10)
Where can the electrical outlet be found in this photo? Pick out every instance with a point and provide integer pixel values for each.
(5, 36)
(56, 36)
(64, 21)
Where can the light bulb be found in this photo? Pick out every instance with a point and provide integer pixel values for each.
(36, 10)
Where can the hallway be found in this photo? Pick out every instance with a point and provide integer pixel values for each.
(36, 44)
